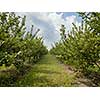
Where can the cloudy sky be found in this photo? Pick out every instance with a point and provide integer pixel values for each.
(49, 23)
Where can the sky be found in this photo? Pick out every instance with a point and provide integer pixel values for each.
(49, 24)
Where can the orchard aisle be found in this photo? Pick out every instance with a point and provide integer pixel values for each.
(49, 72)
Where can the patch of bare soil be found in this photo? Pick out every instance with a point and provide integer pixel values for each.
(81, 80)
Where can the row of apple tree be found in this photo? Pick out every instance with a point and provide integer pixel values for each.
(81, 46)
(17, 46)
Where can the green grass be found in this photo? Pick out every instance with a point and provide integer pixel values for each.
(47, 72)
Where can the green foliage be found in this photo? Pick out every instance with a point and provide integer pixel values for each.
(81, 46)
(17, 46)
(93, 20)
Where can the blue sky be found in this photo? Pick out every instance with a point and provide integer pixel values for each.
(66, 14)
(49, 23)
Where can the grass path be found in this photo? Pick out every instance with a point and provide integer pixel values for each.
(48, 72)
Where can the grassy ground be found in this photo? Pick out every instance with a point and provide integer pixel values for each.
(47, 72)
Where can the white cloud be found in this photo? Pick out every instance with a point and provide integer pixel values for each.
(49, 23)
